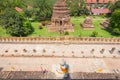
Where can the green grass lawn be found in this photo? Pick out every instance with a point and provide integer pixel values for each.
(87, 33)
(3, 33)
(78, 30)
(41, 32)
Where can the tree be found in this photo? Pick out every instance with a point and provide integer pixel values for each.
(14, 22)
(5, 4)
(115, 22)
(19, 31)
(43, 9)
(29, 13)
(115, 6)
(77, 7)
(7, 7)
(109, 5)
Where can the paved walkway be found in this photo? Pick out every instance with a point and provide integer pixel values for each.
(107, 65)
(78, 56)
(69, 50)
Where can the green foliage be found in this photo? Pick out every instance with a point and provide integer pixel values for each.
(10, 18)
(94, 34)
(23, 30)
(80, 35)
(42, 9)
(14, 22)
(40, 26)
(116, 6)
(115, 22)
(29, 13)
(116, 31)
(10, 4)
(109, 5)
(66, 33)
(7, 11)
(77, 7)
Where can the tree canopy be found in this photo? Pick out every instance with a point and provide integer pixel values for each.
(77, 7)
(14, 22)
(115, 6)
(115, 22)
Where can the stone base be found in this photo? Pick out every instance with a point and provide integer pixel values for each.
(87, 27)
(105, 24)
(57, 29)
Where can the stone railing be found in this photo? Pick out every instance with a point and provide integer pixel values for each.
(59, 39)
(99, 53)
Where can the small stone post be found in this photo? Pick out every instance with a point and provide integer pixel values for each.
(102, 51)
(92, 51)
(112, 50)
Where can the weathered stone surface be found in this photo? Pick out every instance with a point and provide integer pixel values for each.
(87, 24)
(60, 21)
(91, 76)
(105, 24)
(48, 75)
(26, 75)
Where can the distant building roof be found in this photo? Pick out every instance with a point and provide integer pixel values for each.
(100, 11)
(99, 1)
(18, 9)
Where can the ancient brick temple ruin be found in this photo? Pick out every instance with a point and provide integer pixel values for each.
(60, 21)
(87, 24)
(105, 24)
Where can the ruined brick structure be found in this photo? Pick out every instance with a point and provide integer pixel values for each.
(60, 21)
(87, 24)
(105, 24)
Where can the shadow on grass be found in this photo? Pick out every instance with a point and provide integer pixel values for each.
(40, 19)
(108, 30)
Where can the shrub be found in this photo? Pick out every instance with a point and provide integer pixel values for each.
(66, 33)
(116, 30)
(94, 34)
(22, 30)
(40, 26)
(43, 23)
(80, 35)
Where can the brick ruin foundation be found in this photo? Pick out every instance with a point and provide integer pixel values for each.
(105, 24)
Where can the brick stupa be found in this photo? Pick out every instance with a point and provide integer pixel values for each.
(60, 21)
(87, 24)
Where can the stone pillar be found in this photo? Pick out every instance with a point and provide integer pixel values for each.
(102, 51)
(34, 50)
(92, 51)
(112, 50)
(24, 50)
